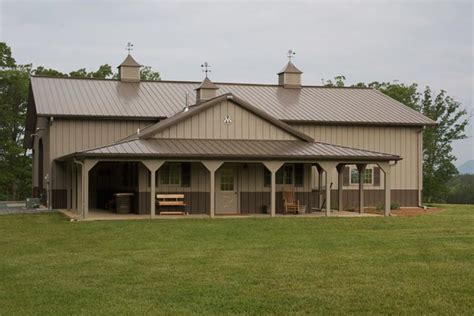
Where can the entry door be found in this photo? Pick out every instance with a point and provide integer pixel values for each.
(227, 193)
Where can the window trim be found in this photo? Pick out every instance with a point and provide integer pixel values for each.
(158, 178)
(351, 169)
(282, 169)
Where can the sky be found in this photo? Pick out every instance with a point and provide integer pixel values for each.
(427, 42)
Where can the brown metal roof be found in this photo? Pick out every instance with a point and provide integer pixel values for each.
(233, 149)
(155, 128)
(154, 99)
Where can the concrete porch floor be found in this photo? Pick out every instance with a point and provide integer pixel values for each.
(104, 215)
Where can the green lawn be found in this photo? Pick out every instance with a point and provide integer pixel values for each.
(285, 265)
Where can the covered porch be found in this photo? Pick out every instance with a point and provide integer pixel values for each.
(215, 187)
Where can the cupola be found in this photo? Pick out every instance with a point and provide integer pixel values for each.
(129, 70)
(290, 76)
(207, 89)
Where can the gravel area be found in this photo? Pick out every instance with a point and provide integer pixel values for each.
(12, 210)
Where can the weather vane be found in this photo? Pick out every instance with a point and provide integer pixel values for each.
(205, 68)
(290, 54)
(129, 47)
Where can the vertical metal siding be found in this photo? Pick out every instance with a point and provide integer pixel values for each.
(401, 141)
(209, 124)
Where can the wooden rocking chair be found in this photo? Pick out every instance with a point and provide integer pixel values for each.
(290, 203)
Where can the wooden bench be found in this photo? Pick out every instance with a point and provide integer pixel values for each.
(174, 200)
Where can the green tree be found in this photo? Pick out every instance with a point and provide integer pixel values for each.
(461, 189)
(15, 163)
(147, 73)
(451, 119)
(438, 167)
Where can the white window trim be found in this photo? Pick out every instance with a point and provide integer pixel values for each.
(292, 165)
(168, 184)
(357, 183)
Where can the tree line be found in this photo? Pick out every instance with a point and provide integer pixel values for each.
(15, 161)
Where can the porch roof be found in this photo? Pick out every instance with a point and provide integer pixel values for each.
(231, 149)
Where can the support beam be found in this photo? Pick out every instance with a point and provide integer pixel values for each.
(361, 169)
(328, 167)
(340, 183)
(87, 166)
(152, 166)
(320, 185)
(212, 166)
(74, 188)
(273, 167)
(68, 186)
(387, 169)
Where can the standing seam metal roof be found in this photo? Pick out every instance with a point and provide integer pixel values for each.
(237, 149)
(158, 99)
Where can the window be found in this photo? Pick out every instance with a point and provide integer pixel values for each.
(368, 176)
(170, 174)
(227, 179)
(285, 175)
(267, 178)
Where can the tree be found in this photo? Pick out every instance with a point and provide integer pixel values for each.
(147, 73)
(438, 167)
(15, 163)
(461, 189)
(451, 119)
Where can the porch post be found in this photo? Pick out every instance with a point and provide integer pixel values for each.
(361, 170)
(320, 185)
(386, 167)
(328, 167)
(74, 188)
(152, 166)
(79, 187)
(340, 182)
(88, 165)
(273, 167)
(68, 186)
(212, 166)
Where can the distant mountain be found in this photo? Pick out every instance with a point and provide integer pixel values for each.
(467, 167)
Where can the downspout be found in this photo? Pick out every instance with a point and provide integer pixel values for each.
(82, 186)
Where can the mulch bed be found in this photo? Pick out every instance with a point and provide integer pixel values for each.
(408, 211)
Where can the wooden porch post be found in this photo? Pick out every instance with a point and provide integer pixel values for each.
(212, 166)
(87, 166)
(361, 169)
(386, 167)
(152, 166)
(328, 167)
(340, 183)
(273, 167)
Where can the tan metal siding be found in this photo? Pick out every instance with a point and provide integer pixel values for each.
(403, 141)
(69, 136)
(209, 124)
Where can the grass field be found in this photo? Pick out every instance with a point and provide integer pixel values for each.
(286, 265)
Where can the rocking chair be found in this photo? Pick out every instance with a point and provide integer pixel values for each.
(290, 203)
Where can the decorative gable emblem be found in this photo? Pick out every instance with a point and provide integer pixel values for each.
(227, 119)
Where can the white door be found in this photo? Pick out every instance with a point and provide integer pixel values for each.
(226, 191)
